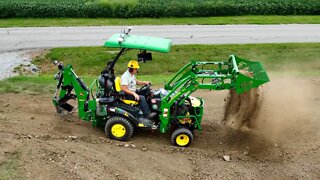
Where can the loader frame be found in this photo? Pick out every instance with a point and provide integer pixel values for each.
(225, 75)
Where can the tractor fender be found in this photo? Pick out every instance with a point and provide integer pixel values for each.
(115, 111)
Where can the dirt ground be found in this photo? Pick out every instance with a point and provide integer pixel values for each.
(36, 143)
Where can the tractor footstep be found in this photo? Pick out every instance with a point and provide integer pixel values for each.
(147, 123)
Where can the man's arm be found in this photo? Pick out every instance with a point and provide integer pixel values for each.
(128, 91)
(143, 82)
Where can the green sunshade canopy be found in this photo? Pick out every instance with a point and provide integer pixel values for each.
(139, 42)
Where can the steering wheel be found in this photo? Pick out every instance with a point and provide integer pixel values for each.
(145, 87)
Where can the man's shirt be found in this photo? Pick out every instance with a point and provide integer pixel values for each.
(129, 80)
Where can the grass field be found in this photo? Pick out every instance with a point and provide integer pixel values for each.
(299, 59)
(275, 57)
(46, 22)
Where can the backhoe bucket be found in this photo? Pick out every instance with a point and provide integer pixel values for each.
(62, 106)
(248, 74)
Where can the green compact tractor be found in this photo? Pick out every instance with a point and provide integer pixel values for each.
(177, 111)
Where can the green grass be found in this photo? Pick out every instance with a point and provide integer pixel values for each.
(9, 168)
(28, 84)
(45, 84)
(297, 59)
(275, 57)
(46, 22)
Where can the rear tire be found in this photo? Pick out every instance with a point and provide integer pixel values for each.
(181, 137)
(118, 128)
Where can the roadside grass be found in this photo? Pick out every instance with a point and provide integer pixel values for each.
(47, 22)
(45, 84)
(9, 168)
(275, 57)
(290, 59)
(28, 84)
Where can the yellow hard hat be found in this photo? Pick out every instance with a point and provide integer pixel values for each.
(133, 64)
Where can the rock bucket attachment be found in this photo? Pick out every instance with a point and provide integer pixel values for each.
(248, 74)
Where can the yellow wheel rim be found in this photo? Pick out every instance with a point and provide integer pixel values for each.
(118, 130)
(182, 140)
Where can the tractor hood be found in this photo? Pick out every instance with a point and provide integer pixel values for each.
(139, 42)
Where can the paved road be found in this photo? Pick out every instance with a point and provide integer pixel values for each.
(25, 38)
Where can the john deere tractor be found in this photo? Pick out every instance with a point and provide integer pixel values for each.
(104, 104)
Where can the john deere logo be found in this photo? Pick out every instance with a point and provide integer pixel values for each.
(81, 94)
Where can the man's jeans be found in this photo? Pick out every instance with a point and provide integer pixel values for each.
(142, 104)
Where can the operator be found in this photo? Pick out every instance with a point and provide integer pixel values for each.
(129, 86)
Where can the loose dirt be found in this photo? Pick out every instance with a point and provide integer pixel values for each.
(241, 110)
(281, 142)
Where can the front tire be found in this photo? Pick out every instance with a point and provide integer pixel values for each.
(181, 137)
(118, 128)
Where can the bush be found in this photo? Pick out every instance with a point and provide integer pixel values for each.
(154, 8)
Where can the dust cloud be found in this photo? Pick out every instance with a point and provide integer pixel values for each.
(277, 110)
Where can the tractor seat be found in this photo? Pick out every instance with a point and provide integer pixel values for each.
(117, 83)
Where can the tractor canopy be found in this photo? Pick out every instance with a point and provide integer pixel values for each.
(139, 42)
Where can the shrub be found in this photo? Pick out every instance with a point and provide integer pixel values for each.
(154, 8)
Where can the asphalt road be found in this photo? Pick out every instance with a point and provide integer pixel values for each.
(12, 39)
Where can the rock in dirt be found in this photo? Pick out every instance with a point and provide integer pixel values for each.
(226, 158)
(2, 117)
(126, 145)
(73, 137)
(245, 153)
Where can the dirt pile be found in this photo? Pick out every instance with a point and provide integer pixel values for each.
(279, 109)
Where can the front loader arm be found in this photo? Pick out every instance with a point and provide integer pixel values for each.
(236, 73)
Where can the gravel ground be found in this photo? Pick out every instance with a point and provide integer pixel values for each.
(10, 60)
